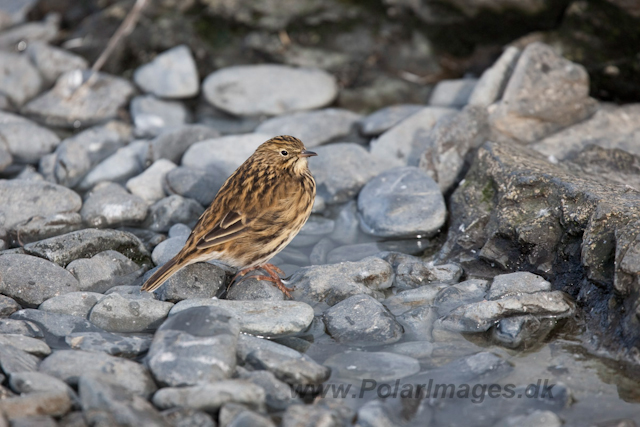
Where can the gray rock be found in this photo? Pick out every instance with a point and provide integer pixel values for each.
(412, 272)
(102, 401)
(452, 93)
(125, 163)
(5, 157)
(104, 271)
(70, 365)
(87, 243)
(45, 30)
(412, 298)
(29, 409)
(521, 282)
(199, 185)
(20, 327)
(360, 319)
(20, 79)
(450, 144)
(15, 12)
(239, 416)
(545, 94)
(312, 128)
(454, 296)
(55, 325)
(341, 170)
(114, 313)
(31, 280)
(416, 349)
(252, 290)
(37, 382)
(173, 210)
(330, 284)
(378, 366)
(179, 230)
(39, 228)
(23, 200)
(417, 323)
(609, 127)
(8, 306)
(227, 124)
(491, 85)
(90, 105)
(182, 417)
(76, 155)
(168, 249)
(346, 224)
(401, 202)
(52, 62)
(536, 418)
(151, 115)
(313, 415)
(404, 143)
(480, 316)
(109, 204)
(252, 90)
(210, 397)
(386, 118)
(14, 360)
(150, 239)
(286, 364)
(34, 420)
(25, 140)
(73, 303)
(263, 318)
(29, 173)
(195, 346)
(131, 292)
(223, 154)
(172, 143)
(278, 393)
(148, 185)
(320, 251)
(171, 74)
(200, 280)
(129, 347)
(522, 331)
(313, 230)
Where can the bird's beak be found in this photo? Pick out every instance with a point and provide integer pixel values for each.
(307, 153)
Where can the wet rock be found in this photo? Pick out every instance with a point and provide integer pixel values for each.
(480, 316)
(93, 104)
(23, 200)
(102, 401)
(52, 62)
(240, 416)
(104, 271)
(109, 204)
(311, 415)
(36, 404)
(171, 74)
(386, 118)
(105, 342)
(263, 318)
(378, 366)
(609, 127)
(148, 185)
(312, 231)
(452, 93)
(330, 284)
(210, 397)
(14, 360)
(519, 331)
(195, 346)
(200, 280)
(412, 272)
(8, 306)
(70, 365)
(173, 210)
(125, 163)
(404, 143)
(278, 393)
(412, 298)
(20, 79)
(341, 170)
(87, 243)
(20, 327)
(491, 85)
(401, 202)
(26, 141)
(151, 115)
(31, 280)
(449, 145)
(182, 417)
(55, 325)
(361, 319)
(312, 128)
(454, 296)
(223, 154)
(417, 323)
(415, 349)
(526, 113)
(168, 249)
(279, 89)
(73, 303)
(172, 143)
(286, 364)
(518, 283)
(536, 418)
(201, 186)
(115, 313)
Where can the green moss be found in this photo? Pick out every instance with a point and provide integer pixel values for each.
(487, 194)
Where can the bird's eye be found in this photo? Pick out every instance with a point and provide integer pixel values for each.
(284, 153)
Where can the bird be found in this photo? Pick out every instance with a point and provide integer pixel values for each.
(258, 210)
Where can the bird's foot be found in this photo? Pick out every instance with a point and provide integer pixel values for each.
(274, 276)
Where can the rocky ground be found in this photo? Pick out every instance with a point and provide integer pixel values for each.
(484, 234)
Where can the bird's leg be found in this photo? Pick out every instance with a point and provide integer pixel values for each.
(272, 277)
(244, 271)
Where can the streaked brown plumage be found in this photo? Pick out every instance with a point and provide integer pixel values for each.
(256, 213)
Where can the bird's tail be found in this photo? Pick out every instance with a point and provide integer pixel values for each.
(163, 273)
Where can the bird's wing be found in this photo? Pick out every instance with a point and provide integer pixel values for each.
(230, 227)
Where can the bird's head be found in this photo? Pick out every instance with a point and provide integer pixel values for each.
(286, 152)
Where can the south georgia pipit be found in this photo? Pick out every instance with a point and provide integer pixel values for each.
(257, 212)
